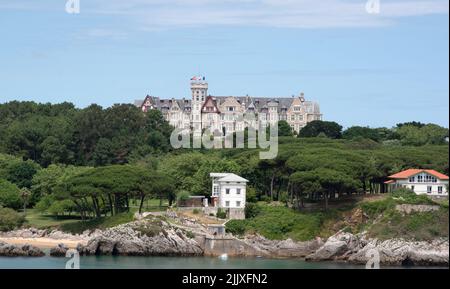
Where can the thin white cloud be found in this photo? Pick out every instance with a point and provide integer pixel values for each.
(162, 14)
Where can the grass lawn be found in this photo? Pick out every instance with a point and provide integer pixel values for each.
(41, 221)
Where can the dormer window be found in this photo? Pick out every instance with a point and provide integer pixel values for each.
(230, 108)
(412, 179)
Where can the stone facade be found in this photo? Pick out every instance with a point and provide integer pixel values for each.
(221, 113)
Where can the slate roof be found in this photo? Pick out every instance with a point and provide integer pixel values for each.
(258, 103)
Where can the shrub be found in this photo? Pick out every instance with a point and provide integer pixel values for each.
(10, 219)
(183, 195)
(221, 214)
(252, 210)
(407, 196)
(378, 207)
(236, 227)
(195, 211)
(265, 198)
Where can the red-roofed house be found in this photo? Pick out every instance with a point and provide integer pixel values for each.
(420, 181)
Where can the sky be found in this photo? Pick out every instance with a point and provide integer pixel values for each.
(363, 66)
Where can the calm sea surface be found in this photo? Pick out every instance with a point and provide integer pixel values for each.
(123, 262)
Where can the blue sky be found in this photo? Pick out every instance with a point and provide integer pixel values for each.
(363, 69)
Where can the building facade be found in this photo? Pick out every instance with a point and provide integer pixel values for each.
(228, 192)
(223, 114)
(422, 182)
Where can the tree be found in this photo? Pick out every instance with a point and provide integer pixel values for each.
(10, 195)
(21, 173)
(284, 129)
(10, 219)
(361, 132)
(426, 134)
(329, 128)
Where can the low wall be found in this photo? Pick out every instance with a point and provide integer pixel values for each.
(228, 245)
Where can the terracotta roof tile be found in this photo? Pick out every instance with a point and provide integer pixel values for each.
(411, 172)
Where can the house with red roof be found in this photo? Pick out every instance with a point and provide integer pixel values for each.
(420, 181)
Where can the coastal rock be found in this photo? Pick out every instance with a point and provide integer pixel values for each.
(358, 249)
(9, 250)
(59, 251)
(142, 238)
(283, 248)
(335, 247)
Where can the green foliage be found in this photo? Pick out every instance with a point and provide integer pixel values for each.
(361, 132)
(10, 195)
(406, 196)
(284, 129)
(183, 195)
(326, 128)
(250, 195)
(252, 210)
(98, 223)
(10, 219)
(417, 226)
(236, 227)
(221, 214)
(195, 211)
(375, 208)
(61, 133)
(278, 223)
(421, 135)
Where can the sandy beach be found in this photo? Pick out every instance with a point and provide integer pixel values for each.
(42, 242)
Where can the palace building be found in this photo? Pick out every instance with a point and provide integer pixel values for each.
(221, 113)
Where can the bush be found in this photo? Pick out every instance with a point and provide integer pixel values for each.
(236, 227)
(265, 198)
(221, 214)
(195, 211)
(407, 196)
(376, 208)
(10, 195)
(252, 210)
(183, 195)
(10, 219)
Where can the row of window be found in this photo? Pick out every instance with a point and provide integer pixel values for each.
(227, 203)
(423, 179)
(430, 189)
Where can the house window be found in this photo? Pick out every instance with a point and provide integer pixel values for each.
(216, 189)
(227, 203)
(440, 190)
(238, 191)
(429, 189)
(412, 188)
(419, 178)
(412, 179)
(296, 108)
(231, 108)
(227, 191)
(238, 203)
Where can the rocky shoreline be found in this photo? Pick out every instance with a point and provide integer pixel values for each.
(157, 237)
(358, 249)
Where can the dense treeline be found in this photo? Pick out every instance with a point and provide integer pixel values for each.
(61, 133)
(94, 162)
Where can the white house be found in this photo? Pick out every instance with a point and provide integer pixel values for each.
(420, 181)
(228, 192)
